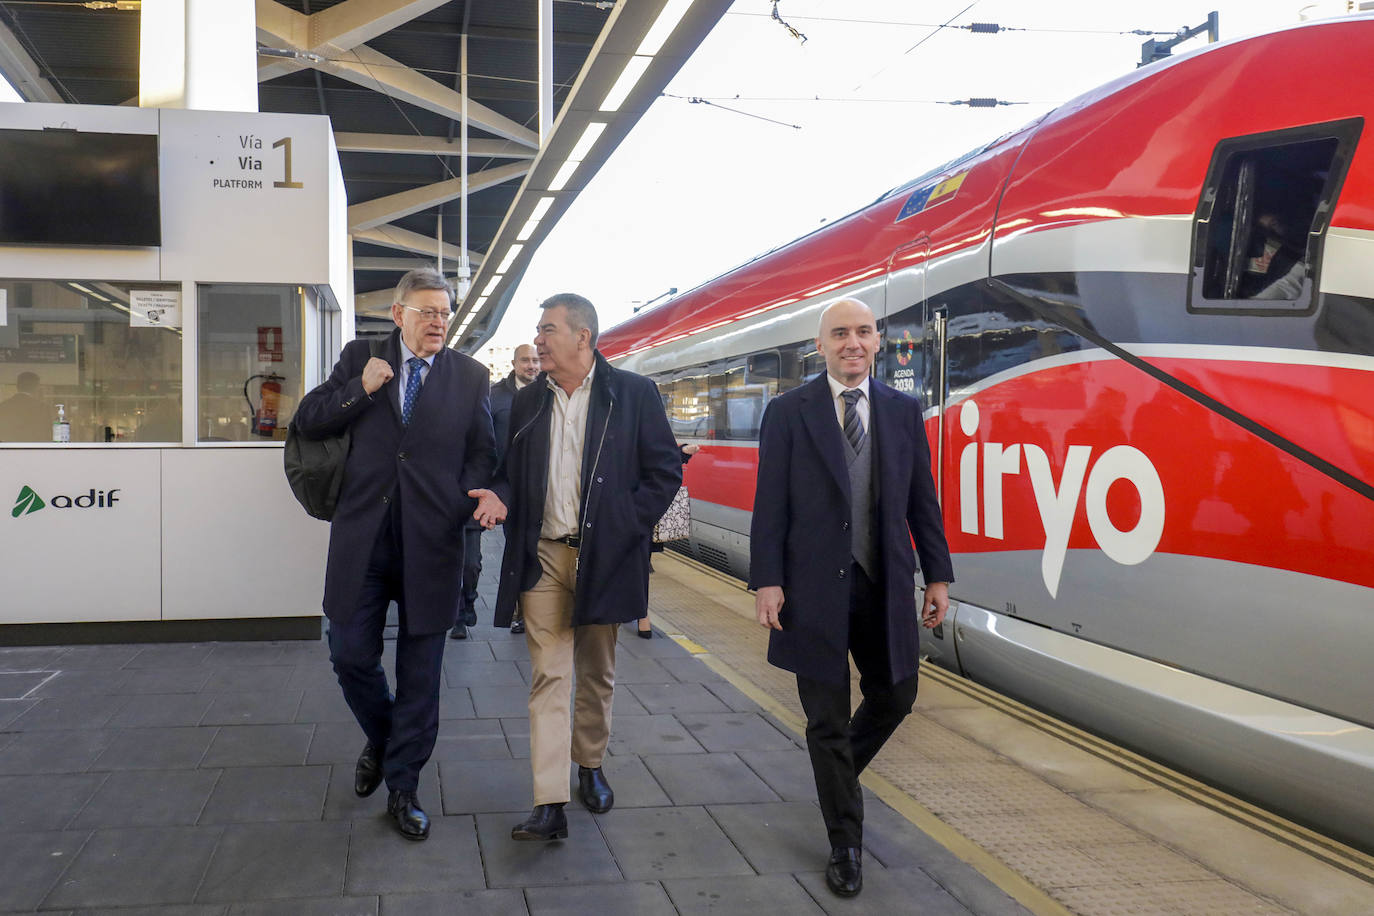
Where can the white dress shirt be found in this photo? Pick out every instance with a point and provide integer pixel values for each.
(567, 433)
(404, 380)
(837, 389)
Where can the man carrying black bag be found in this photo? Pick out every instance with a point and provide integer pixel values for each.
(421, 439)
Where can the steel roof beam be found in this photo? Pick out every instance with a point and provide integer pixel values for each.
(399, 265)
(404, 240)
(353, 22)
(394, 206)
(428, 146)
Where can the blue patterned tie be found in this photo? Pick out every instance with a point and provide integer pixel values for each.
(853, 424)
(412, 388)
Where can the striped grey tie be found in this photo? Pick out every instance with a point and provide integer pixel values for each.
(853, 426)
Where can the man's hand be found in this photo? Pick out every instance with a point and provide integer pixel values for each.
(490, 510)
(376, 373)
(767, 605)
(936, 605)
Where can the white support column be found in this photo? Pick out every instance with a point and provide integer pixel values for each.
(198, 54)
(545, 69)
(464, 268)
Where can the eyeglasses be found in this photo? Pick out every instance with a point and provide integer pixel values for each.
(428, 314)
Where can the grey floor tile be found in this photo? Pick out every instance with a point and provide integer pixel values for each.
(13, 709)
(518, 736)
(465, 673)
(735, 731)
(636, 898)
(276, 862)
(690, 670)
(503, 786)
(171, 655)
(631, 670)
(316, 906)
(69, 713)
(456, 704)
(256, 708)
(467, 651)
(652, 844)
(31, 863)
(260, 745)
(624, 703)
(246, 654)
(787, 773)
(342, 803)
(634, 785)
(657, 646)
(309, 674)
(468, 903)
(742, 896)
(16, 685)
(44, 801)
(106, 656)
(470, 750)
(582, 858)
(732, 696)
(470, 728)
(677, 697)
(162, 710)
(31, 658)
(168, 863)
(156, 749)
(176, 909)
(256, 795)
(148, 798)
(507, 650)
(886, 891)
(508, 700)
(651, 735)
(247, 678)
(323, 704)
(702, 779)
(381, 861)
(336, 742)
(79, 681)
(165, 680)
(54, 752)
(777, 837)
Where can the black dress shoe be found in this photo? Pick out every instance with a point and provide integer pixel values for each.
(844, 875)
(517, 626)
(595, 790)
(459, 631)
(546, 822)
(469, 616)
(367, 775)
(411, 821)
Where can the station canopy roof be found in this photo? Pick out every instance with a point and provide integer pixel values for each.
(388, 73)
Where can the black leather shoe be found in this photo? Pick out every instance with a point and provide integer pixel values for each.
(546, 822)
(459, 631)
(844, 875)
(469, 616)
(517, 626)
(412, 822)
(367, 775)
(595, 790)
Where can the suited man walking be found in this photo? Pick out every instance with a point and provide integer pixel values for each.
(844, 487)
(421, 439)
(591, 464)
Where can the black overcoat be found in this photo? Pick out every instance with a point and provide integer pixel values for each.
(502, 394)
(631, 469)
(799, 538)
(430, 465)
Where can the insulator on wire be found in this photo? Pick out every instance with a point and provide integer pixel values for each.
(985, 28)
(979, 102)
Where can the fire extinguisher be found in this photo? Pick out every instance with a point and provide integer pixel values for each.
(264, 413)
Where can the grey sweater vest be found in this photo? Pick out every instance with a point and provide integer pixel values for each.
(861, 486)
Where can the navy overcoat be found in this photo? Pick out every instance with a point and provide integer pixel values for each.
(631, 469)
(799, 538)
(430, 465)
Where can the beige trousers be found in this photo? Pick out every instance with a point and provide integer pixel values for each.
(558, 652)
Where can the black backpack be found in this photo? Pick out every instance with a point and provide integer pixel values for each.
(315, 467)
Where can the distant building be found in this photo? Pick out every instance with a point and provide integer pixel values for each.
(497, 361)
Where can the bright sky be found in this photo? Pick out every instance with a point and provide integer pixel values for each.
(7, 93)
(695, 190)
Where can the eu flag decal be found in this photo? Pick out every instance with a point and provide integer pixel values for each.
(929, 195)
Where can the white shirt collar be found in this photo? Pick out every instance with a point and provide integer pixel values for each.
(406, 354)
(585, 383)
(836, 388)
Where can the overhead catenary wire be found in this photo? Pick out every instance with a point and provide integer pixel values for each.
(926, 38)
(698, 100)
(973, 27)
(974, 102)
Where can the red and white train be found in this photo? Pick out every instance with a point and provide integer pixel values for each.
(1142, 327)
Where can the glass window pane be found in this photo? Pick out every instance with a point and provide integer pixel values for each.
(77, 344)
(250, 361)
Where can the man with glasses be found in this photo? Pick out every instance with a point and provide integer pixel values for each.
(421, 439)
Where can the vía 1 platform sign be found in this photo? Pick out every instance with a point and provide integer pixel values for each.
(254, 163)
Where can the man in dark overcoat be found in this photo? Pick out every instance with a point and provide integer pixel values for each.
(421, 439)
(844, 487)
(590, 465)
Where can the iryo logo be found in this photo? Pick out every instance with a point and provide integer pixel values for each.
(1058, 503)
(28, 501)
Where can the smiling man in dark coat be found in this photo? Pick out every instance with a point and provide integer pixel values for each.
(590, 465)
(844, 487)
(421, 439)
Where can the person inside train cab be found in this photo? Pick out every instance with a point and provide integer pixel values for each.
(844, 488)
(1276, 266)
(590, 465)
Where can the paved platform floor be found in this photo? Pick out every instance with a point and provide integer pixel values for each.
(216, 778)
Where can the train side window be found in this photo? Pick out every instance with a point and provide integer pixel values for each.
(744, 400)
(687, 401)
(1262, 217)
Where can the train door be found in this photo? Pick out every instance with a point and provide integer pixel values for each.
(908, 342)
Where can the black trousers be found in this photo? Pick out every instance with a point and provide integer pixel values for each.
(841, 746)
(472, 572)
(407, 724)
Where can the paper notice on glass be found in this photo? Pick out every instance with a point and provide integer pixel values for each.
(4, 307)
(154, 308)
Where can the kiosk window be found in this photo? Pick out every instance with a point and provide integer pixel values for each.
(250, 361)
(114, 368)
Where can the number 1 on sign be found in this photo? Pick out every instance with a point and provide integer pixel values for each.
(286, 153)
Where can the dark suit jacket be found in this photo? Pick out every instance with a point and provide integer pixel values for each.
(800, 539)
(502, 396)
(430, 465)
(631, 469)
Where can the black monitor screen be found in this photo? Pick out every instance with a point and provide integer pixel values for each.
(63, 187)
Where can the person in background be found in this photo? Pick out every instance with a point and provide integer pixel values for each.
(524, 369)
(646, 629)
(844, 488)
(23, 416)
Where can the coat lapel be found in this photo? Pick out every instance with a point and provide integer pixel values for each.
(892, 438)
(818, 414)
(388, 391)
(436, 373)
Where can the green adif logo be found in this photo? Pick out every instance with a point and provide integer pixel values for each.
(27, 502)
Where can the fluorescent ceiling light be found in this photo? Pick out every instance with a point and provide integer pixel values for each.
(561, 179)
(510, 256)
(491, 286)
(584, 143)
(527, 230)
(663, 26)
(634, 69)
